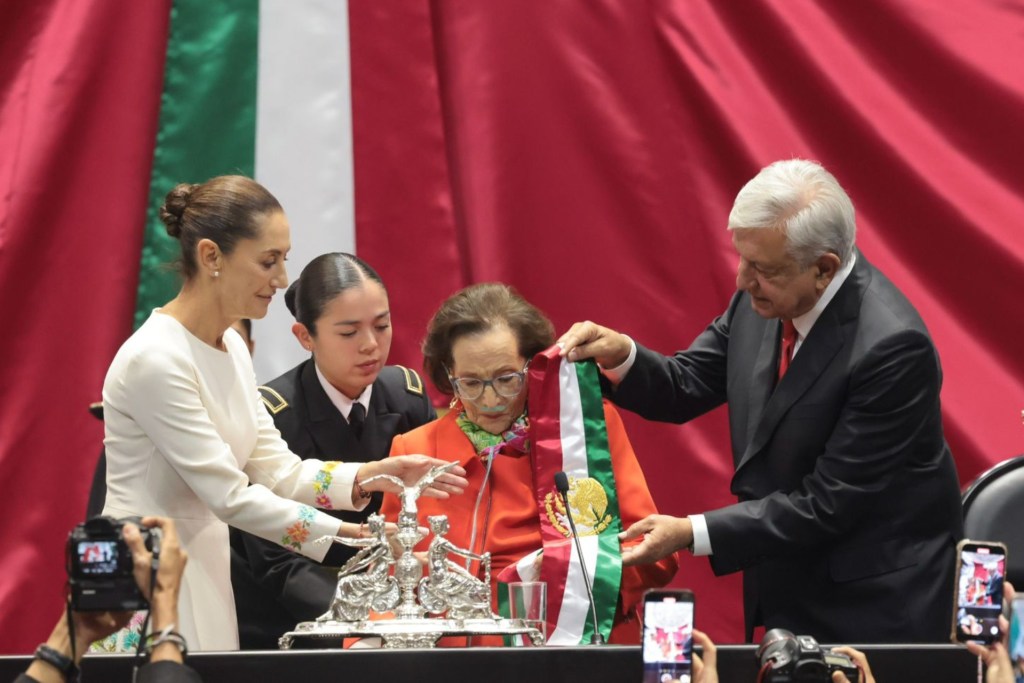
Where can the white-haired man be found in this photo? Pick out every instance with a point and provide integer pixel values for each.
(848, 501)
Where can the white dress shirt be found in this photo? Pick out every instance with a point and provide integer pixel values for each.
(342, 402)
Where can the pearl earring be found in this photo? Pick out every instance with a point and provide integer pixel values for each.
(216, 273)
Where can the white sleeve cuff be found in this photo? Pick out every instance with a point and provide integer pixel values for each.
(616, 374)
(701, 540)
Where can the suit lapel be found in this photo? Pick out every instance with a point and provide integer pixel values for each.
(765, 370)
(328, 428)
(817, 351)
(381, 425)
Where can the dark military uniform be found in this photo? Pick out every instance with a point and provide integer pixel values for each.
(276, 588)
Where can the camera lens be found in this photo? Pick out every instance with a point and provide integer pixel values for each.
(785, 657)
(778, 647)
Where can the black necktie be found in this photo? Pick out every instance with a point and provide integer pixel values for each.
(356, 417)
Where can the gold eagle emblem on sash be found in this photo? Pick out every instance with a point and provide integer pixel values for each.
(588, 502)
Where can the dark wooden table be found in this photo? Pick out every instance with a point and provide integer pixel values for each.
(736, 664)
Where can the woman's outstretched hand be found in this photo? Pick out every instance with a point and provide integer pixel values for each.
(410, 469)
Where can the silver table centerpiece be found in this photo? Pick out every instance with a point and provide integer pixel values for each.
(461, 601)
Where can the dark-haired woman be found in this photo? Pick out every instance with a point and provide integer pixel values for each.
(186, 432)
(343, 401)
(476, 350)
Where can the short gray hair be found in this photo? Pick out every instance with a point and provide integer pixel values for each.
(806, 201)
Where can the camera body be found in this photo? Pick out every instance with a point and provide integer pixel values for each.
(100, 568)
(793, 658)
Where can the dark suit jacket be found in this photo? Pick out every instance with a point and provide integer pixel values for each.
(274, 588)
(849, 504)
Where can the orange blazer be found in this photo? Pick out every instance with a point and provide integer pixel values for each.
(508, 520)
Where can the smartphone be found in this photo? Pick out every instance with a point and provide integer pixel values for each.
(1017, 638)
(668, 636)
(978, 597)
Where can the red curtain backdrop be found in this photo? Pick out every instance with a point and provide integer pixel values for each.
(589, 152)
(586, 151)
(79, 96)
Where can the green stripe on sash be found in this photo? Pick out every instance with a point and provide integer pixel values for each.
(608, 572)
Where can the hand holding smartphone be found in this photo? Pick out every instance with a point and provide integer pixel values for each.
(978, 596)
(668, 636)
(1017, 638)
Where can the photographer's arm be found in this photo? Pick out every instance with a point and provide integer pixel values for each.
(89, 627)
(49, 666)
(164, 600)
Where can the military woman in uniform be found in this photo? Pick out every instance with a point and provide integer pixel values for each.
(344, 401)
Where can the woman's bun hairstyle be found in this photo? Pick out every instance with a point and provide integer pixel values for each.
(289, 296)
(174, 208)
(224, 210)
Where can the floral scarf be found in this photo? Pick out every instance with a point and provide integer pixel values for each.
(514, 441)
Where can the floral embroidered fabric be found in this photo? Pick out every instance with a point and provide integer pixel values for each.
(298, 533)
(125, 640)
(322, 483)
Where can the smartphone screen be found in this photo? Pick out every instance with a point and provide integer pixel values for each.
(668, 636)
(1017, 638)
(979, 591)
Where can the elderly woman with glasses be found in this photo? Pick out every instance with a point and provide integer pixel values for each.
(477, 350)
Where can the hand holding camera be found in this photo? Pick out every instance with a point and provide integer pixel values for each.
(118, 566)
(163, 599)
(785, 657)
(859, 659)
(101, 567)
(103, 555)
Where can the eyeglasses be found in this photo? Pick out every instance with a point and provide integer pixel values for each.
(506, 386)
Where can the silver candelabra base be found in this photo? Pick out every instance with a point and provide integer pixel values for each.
(403, 633)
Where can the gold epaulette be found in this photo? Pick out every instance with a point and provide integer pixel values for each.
(413, 383)
(274, 401)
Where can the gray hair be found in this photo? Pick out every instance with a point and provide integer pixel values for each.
(806, 201)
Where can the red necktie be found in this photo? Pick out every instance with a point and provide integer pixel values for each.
(788, 342)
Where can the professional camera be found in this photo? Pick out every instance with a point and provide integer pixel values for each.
(785, 658)
(100, 568)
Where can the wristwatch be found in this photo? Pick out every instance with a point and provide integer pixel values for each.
(61, 663)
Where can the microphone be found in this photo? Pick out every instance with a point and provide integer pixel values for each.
(562, 484)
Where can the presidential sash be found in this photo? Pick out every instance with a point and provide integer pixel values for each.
(568, 433)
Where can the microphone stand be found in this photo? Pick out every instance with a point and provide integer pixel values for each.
(562, 484)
